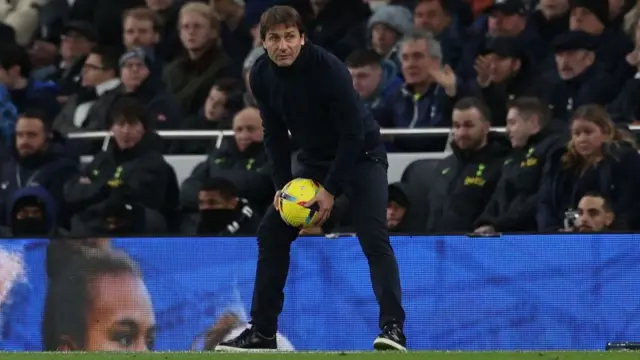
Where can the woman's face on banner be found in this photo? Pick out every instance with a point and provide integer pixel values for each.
(122, 317)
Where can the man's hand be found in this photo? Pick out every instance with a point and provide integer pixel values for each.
(324, 201)
(445, 77)
(483, 69)
(276, 200)
(486, 229)
(633, 58)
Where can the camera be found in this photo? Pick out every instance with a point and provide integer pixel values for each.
(571, 219)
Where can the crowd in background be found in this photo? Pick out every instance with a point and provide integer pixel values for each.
(562, 76)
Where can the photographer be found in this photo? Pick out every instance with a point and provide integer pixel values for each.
(594, 214)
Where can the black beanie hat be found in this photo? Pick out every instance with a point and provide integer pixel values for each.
(599, 8)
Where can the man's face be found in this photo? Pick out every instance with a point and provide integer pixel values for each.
(584, 20)
(554, 8)
(74, 45)
(127, 134)
(615, 8)
(504, 68)
(93, 73)
(395, 214)
(469, 130)
(247, 128)
(573, 63)
(133, 73)
(592, 216)
(430, 16)
(415, 60)
(139, 33)
(213, 200)
(518, 128)
(195, 31)
(383, 39)
(283, 44)
(501, 24)
(30, 136)
(121, 318)
(366, 79)
(30, 212)
(158, 5)
(214, 107)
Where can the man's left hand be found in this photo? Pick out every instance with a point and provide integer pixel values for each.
(324, 201)
(445, 77)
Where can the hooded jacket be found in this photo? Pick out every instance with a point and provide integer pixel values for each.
(43, 196)
(463, 184)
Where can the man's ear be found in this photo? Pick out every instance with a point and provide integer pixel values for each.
(67, 344)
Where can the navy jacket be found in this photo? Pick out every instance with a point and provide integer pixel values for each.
(315, 100)
(616, 177)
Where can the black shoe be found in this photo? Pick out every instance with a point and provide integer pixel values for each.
(391, 338)
(249, 341)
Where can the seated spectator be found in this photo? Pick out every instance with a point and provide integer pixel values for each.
(86, 110)
(222, 212)
(225, 100)
(242, 161)
(503, 74)
(123, 216)
(387, 25)
(190, 77)
(581, 79)
(373, 78)
(32, 213)
(133, 161)
(550, 19)
(39, 158)
(427, 97)
(78, 38)
(611, 43)
(235, 33)
(169, 45)
(534, 140)
(596, 160)
(465, 181)
(594, 215)
(397, 207)
(24, 93)
(141, 82)
(340, 26)
(141, 28)
(626, 106)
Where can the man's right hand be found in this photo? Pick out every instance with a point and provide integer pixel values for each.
(276, 200)
(483, 69)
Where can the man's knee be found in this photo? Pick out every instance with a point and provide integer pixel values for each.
(274, 232)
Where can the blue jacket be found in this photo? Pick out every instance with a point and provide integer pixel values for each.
(616, 178)
(389, 84)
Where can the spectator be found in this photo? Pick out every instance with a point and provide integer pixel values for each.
(32, 212)
(235, 33)
(373, 78)
(625, 106)
(134, 162)
(340, 25)
(222, 212)
(534, 140)
(581, 80)
(39, 158)
(242, 161)
(22, 16)
(191, 77)
(428, 94)
(397, 207)
(123, 216)
(83, 298)
(595, 161)
(224, 101)
(141, 82)
(611, 43)
(594, 214)
(503, 74)
(464, 182)
(24, 93)
(386, 27)
(167, 11)
(86, 110)
(78, 38)
(141, 29)
(550, 19)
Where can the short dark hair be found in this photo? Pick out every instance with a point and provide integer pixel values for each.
(471, 102)
(129, 110)
(363, 57)
(144, 13)
(280, 15)
(39, 114)
(225, 187)
(69, 297)
(529, 106)
(233, 89)
(606, 202)
(109, 57)
(14, 55)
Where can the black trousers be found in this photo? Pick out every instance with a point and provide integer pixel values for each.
(368, 197)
